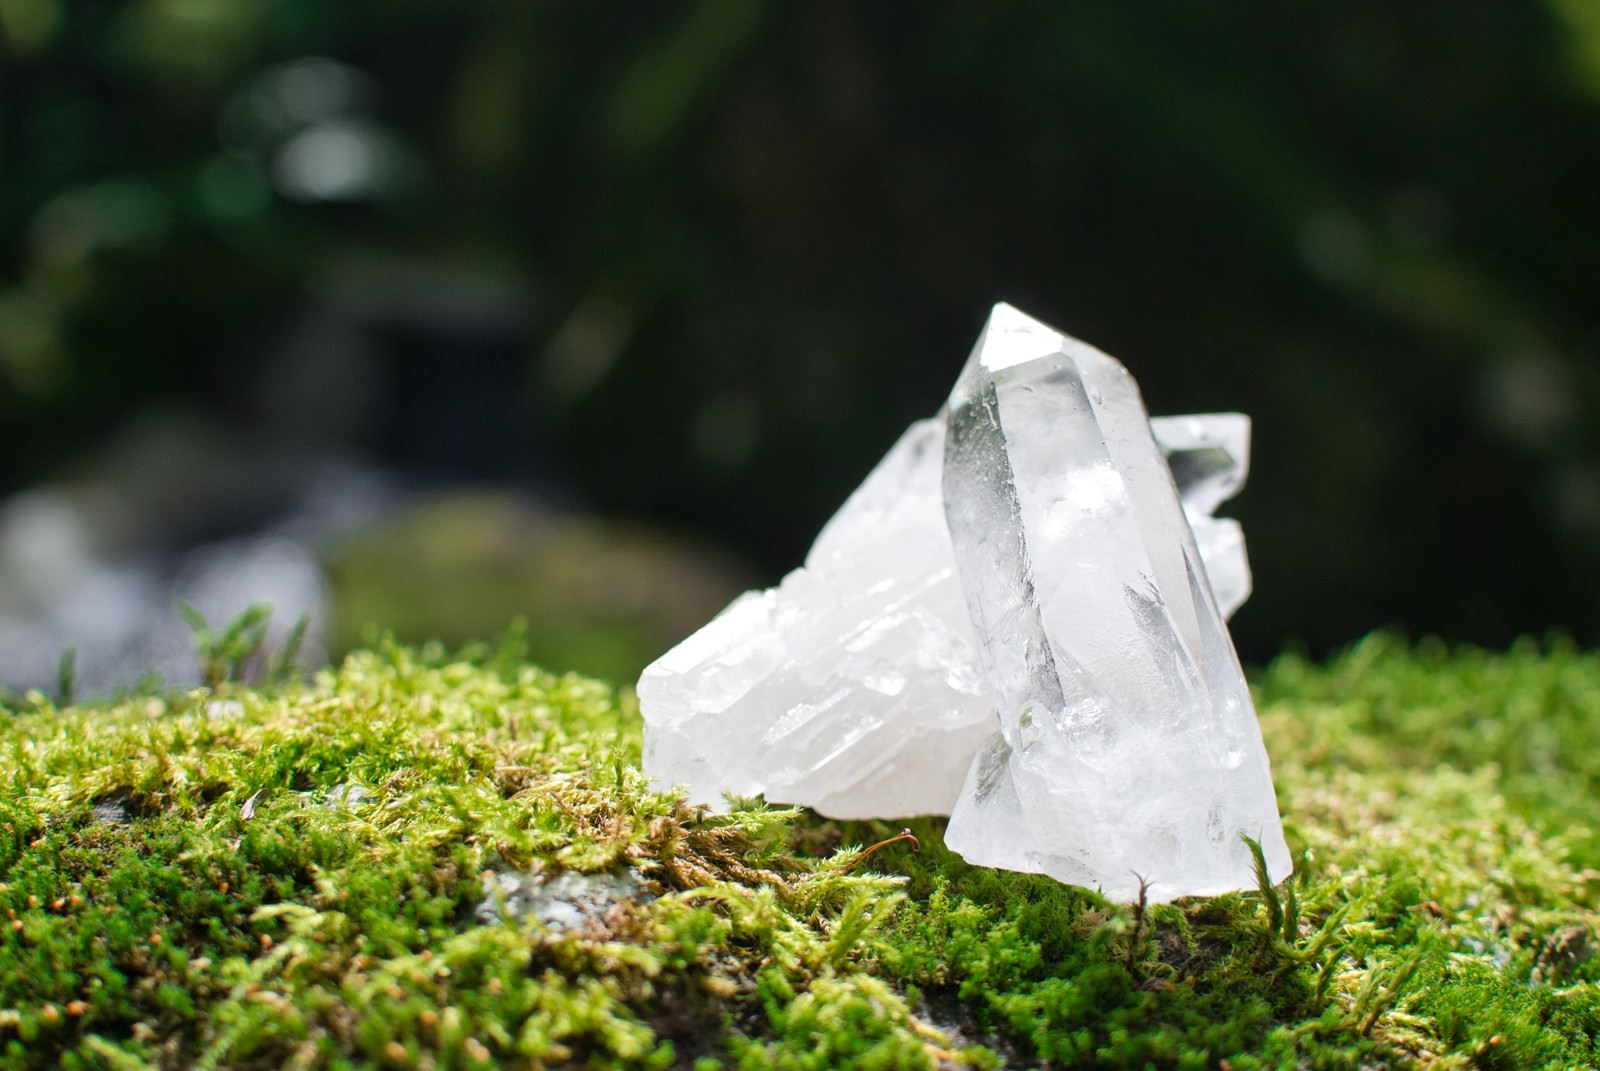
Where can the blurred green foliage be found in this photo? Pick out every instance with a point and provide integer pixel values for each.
(602, 599)
(756, 240)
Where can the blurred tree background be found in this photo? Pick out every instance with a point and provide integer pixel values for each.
(698, 264)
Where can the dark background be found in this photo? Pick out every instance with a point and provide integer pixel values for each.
(698, 264)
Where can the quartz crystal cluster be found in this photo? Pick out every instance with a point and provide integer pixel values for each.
(1017, 620)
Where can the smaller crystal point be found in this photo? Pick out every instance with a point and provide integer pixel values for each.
(1209, 455)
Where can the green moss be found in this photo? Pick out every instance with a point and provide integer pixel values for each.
(191, 881)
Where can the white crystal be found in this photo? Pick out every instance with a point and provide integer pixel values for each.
(855, 686)
(1128, 744)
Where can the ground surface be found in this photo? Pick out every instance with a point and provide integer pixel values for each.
(428, 861)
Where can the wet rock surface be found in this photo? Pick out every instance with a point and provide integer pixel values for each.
(562, 902)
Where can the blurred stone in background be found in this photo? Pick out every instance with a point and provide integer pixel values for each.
(419, 372)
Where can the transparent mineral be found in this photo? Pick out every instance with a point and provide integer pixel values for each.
(1128, 745)
(858, 686)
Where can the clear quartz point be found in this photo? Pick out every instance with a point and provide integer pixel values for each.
(1128, 745)
(866, 684)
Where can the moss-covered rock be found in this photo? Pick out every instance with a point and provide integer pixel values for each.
(384, 868)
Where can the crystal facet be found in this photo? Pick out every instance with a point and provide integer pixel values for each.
(1027, 553)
